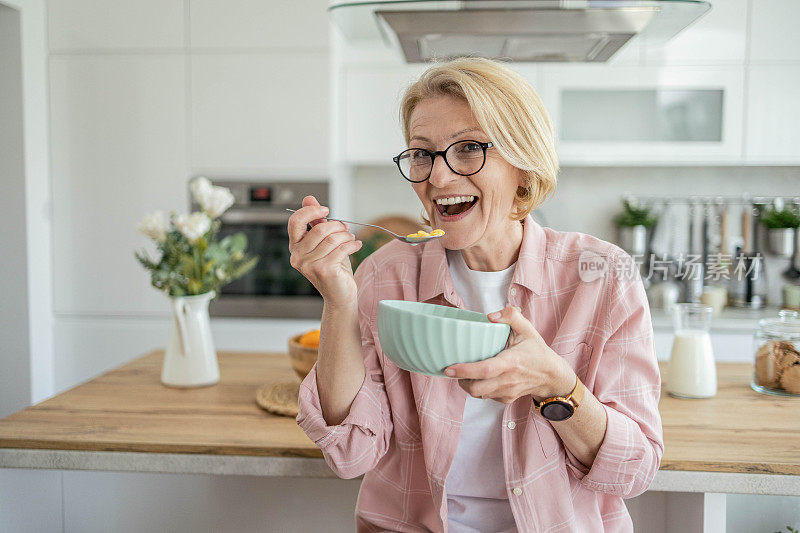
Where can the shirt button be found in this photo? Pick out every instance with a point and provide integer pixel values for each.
(517, 491)
(513, 291)
(511, 424)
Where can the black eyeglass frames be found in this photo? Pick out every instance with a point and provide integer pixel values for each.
(465, 158)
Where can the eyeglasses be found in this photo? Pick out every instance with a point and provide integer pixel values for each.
(465, 158)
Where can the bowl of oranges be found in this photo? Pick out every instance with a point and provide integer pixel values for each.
(303, 352)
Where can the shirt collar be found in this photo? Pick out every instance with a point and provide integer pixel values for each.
(434, 277)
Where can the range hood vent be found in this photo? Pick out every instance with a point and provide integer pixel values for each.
(519, 30)
(516, 34)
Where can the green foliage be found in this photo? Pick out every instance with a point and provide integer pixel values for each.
(634, 216)
(187, 269)
(368, 246)
(790, 530)
(780, 218)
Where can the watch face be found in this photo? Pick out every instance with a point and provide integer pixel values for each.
(557, 410)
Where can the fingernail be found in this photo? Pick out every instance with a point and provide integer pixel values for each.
(449, 372)
(494, 316)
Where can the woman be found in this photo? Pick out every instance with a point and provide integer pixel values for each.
(494, 449)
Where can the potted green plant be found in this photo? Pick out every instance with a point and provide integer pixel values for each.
(192, 266)
(634, 224)
(781, 224)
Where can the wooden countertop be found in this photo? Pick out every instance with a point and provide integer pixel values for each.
(129, 410)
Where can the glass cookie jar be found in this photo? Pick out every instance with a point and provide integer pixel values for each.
(777, 355)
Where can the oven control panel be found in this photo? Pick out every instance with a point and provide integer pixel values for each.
(273, 195)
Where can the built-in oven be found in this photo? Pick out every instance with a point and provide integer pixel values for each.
(273, 288)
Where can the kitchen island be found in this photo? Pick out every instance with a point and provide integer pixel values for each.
(126, 421)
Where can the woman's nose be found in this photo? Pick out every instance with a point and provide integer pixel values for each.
(441, 174)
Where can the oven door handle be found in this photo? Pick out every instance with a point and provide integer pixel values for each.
(254, 217)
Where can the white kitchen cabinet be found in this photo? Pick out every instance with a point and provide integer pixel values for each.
(774, 36)
(371, 117)
(118, 150)
(255, 23)
(104, 24)
(717, 38)
(373, 133)
(265, 112)
(773, 115)
(645, 115)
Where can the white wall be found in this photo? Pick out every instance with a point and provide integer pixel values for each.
(15, 356)
(28, 327)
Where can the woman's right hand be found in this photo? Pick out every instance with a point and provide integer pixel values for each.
(322, 254)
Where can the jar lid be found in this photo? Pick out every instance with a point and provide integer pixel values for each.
(786, 326)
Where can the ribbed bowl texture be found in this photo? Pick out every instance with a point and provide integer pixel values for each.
(427, 338)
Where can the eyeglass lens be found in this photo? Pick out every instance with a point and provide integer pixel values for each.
(465, 157)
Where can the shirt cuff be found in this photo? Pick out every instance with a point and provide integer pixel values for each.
(365, 412)
(615, 467)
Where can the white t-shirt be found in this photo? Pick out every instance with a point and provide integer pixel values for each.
(478, 501)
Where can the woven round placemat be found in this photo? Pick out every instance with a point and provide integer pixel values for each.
(279, 397)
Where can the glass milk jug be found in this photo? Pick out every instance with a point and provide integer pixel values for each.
(691, 372)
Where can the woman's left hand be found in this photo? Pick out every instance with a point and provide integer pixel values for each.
(527, 366)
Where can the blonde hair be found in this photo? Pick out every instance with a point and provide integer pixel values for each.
(508, 110)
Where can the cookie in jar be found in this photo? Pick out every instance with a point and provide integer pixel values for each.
(777, 355)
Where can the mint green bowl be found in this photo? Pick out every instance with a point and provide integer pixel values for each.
(427, 338)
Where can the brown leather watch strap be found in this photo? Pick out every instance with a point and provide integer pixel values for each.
(574, 397)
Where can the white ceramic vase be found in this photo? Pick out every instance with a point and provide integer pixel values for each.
(190, 359)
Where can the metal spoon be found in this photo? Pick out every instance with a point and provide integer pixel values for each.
(410, 240)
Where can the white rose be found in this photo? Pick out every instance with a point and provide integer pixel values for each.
(201, 189)
(211, 199)
(218, 201)
(153, 225)
(193, 226)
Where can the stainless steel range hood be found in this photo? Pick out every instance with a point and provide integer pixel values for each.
(520, 30)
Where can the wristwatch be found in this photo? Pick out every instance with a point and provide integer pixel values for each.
(560, 408)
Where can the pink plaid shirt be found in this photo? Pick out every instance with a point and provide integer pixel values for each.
(403, 428)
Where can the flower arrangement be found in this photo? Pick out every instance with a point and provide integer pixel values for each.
(192, 260)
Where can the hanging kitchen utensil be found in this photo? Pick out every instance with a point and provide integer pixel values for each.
(748, 287)
(694, 275)
(791, 271)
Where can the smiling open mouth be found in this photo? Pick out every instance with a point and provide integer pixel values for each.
(455, 205)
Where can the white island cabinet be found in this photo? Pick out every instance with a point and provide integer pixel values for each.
(114, 447)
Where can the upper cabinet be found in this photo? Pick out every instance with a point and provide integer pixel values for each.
(721, 92)
(92, 25)
(372, 110)
(717, 38)
(645, 115)
(774, 36)
(259, 82)
(773, 108)
(371, 113)
(260, 113)
(295, 26)
(773, 115)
